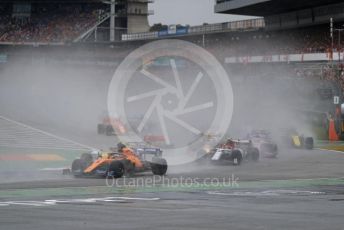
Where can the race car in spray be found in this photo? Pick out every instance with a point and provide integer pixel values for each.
(124, 161)
(235, 152)
(111, 126)
(291, 138)
(262, 140)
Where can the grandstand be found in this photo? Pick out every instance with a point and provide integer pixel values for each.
(59, 22)
(300, 32)
(292, 37)
(283, 13)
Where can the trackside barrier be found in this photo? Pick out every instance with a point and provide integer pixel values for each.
(244, 25)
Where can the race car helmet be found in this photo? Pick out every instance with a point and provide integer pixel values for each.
(230, 143)
(96, 152)
(120, 146)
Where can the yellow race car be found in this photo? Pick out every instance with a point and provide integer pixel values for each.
(290, 137)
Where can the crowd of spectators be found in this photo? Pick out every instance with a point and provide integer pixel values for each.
(293, 41)
(64, 22)
(333, 75)
(48, 24)
(263, 43)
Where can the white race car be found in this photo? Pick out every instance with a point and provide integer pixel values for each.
(234, 152)
(262, 140)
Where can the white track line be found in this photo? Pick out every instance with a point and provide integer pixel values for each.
(75, 201)
(277, 192)
(40, 147)
(52, 169)
(45, 133)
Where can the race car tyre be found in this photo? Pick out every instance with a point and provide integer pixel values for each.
(253, 155)
(273, 151)
(116, 169)
(309, 143)
(129, 168)
(236, 157)
(87, 159)
(100, 129)
(276, 151)
(159, 166)
(78, 167)
(109, 130)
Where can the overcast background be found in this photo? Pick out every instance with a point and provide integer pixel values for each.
(191, 12)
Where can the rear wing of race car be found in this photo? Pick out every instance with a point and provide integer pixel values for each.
(149, 151)
(134, 144)
(148, 154)
(241, 141)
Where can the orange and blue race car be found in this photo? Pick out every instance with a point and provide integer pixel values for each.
(124, 161)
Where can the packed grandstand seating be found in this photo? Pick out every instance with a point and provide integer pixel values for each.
(55, 23)
(48, 24)
(332, 74)
(58, 23)
(296, 41)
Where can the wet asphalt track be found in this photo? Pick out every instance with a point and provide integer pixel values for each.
(284, 193)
